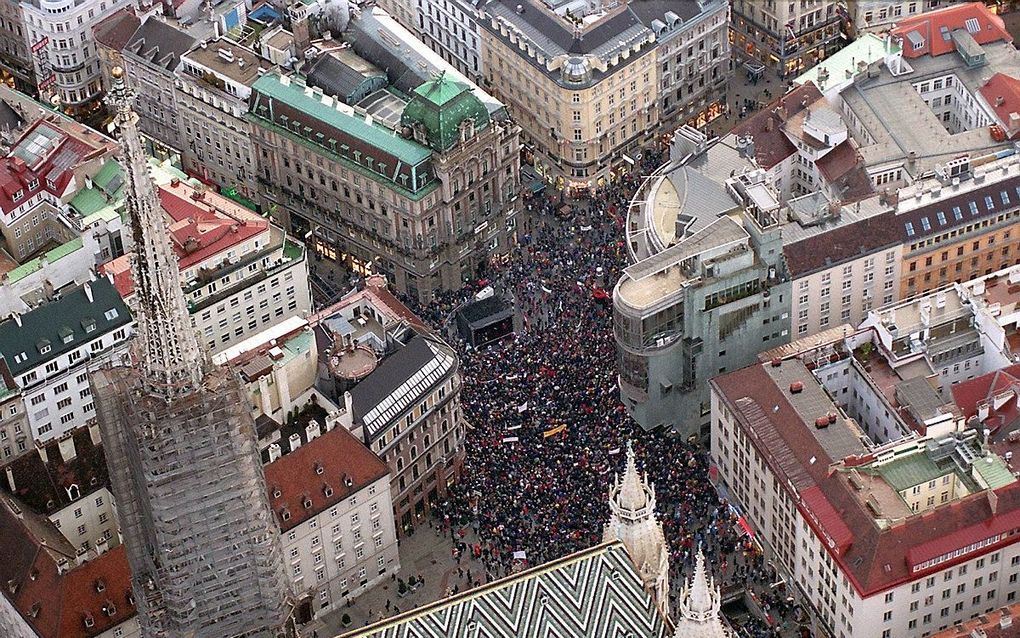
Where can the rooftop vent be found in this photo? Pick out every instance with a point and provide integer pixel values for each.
(822, 422)
(796, 387)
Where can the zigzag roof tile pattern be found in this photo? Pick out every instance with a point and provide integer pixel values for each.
(594, 593)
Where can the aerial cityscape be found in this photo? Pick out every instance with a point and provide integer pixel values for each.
(509, 319)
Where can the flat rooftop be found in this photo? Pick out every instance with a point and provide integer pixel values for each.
(895, 115)
(230, 60)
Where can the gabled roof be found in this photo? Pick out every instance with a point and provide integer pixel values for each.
(160, 43)
(873, 558)
(843, 168)
(936, 27)
(595, 592)
(115, 31)
(55, 604)
(401, 382)
(336, 463)
(199, 230)
(771, 144)
(969, 395)
(43, 159)
(1002, 93)
(841, 244)
(74, 315)
(43, 485)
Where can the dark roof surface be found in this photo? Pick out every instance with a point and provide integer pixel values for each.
(159, 43)
(912, 224)
(393, 371)
(45, 324)
(335, 77)
(43, 485)
(771, 145)
(116, 31)
(481, 311)
(10, 119)
(841, 244)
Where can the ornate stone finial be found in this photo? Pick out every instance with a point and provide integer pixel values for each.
(170, 358)
(632, 492)
(699, 606)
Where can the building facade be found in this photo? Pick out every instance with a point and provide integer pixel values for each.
(15, 432)
(16, 68)
(788, 37)
(586, 97)
(331, 497)
(428, 208)
(64, 51)
(240, 273)
(51, 350)
(212, 91)
(877, 15)
(404, 383)
(450, 29)
(863, 511)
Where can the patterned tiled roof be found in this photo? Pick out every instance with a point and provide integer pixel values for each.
(595, 593)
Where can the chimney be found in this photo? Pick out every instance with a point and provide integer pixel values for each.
(88, 292)
(999, 101)
(67, 451)
(295, 441)
(17, 317)
(62, 565)
(312, 430)
(983, 411)
(274, 452)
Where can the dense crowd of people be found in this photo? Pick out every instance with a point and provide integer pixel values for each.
(548, 432)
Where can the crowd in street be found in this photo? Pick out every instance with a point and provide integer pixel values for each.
(548, 430)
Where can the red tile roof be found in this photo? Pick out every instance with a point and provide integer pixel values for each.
(929, 26)
(873, 559)
(202, 228)
(843, 168)
(841, 244)
(47, 168)
(378, 295)
(337, 460)
(1000, 623)
(120, 270)
(115, 32)
(60, 602)
(970, 394)
(1002, 92)
(771, 145)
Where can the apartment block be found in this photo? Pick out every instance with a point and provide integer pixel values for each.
(16, 68)
(15, 434)
(331, 497)
(151, 58)
(877, 15)
(212, 90)
(64, 51)
(66, 482)
(960, 223)
(428, 207)
(404, 383)
(788, 37)
(240, 272)
(52, 591)
(888, 525)
(51, 350)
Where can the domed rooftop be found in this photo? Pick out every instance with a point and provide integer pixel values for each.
(439, 109)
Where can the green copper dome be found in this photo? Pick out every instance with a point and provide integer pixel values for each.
(439, 109)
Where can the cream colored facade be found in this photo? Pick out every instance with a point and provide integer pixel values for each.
(845, 292)
(344, 550)
(578, 134)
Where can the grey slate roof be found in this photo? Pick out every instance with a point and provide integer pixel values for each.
(10, 119)
(159, 43)
(335, 77)
(595, 593)
(70, 314)
(400, 383)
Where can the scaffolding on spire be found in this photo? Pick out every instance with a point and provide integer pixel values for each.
(171, 358)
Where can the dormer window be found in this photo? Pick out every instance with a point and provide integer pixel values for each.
(307, 503)
(34, 184)
(100, 585)
(44, 346)
(20, 358)
(285, 515)
(111, 314)
(327, 491)
(18, 196)
(89, 620)
(110, 609)
(318, 468)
